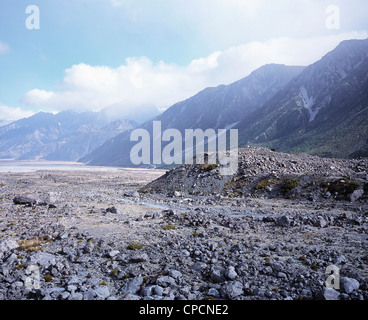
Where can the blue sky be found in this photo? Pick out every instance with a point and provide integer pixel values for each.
(89, 54)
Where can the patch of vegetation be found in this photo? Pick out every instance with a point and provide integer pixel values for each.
(236, 194)
(195, 234)
(114, 273)
(208, 167)
(209, 298)
(135, 246)
(144, 191)
(263, 184)
(47, 278)
(289, 184)
(20, 266)
(342, 188)
(237, 184)
(168, 226)
(34, 244)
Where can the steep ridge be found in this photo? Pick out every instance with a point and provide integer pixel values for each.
(323, 111)
(215, 108)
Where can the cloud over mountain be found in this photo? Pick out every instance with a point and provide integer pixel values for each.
(141, 81)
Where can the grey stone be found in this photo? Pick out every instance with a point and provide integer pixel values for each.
(133, 285)
(349, 285)
(233, 289)
(76, 296)
(340, 260)
(64, 295)
(131, 297)
(283, 221)
(112, 210)
(199, 266)
(282, 275)
(113, 253)
(6, 245)
(152, 290)
(23, 200)
(165, 281)
(185, 253)
(331, 294)
(102, 292)
(230, 273)
(43, 259)
(89, 247)
(158, 290)
(356, 195)
(217, 276)
(236, 247)
(72, 288)
(89, 295)
(320, 222)
(139, 257)
(147, 291)
(175, 274)
(213, 292)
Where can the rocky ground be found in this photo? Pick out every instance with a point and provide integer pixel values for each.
(90, 235)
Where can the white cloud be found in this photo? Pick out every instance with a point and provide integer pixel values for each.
(117, 3)
(8, 114)
(140, 81)
(4, 48)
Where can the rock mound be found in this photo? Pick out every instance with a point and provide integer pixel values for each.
(266, 173)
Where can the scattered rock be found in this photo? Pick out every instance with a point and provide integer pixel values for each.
(133, 286)
(222, 247)
(217, 276)
(349, 285)
(233, 289)
(112, 210)
(230, 273)
(283, 221)
(23, 200)
(330, 294)
(7, 245)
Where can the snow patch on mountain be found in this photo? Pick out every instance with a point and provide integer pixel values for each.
(308, 103)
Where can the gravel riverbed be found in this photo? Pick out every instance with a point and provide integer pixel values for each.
(90, 235)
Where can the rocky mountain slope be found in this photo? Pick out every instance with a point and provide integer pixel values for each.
(323, 111)
(217, 108)
(66, 136)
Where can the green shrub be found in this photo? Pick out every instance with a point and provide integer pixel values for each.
(263, 184)
(208, 167)
(168, 226)
(135, 246)
(144, 191)
(289, 184)
(342, 187)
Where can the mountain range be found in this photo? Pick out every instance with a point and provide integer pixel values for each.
(66, 136)
(321, 109)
